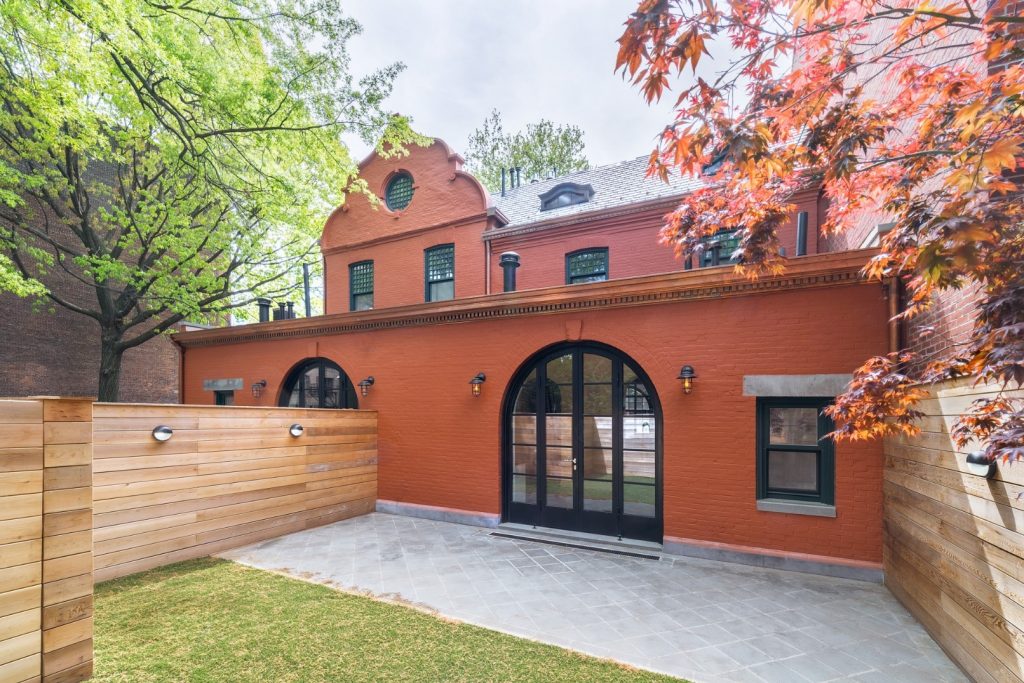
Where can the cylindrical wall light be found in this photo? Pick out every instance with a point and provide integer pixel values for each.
(162, 433)
(296, 430)
(981, 464)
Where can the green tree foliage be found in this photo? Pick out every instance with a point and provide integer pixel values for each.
(176, 157)
(540, 150)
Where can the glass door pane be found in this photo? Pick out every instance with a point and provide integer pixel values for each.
(524, 443)
(598, 438)
(558, 433)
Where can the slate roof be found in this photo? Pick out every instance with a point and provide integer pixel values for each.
(618, 184)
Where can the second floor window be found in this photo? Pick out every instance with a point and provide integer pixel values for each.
(360, 282)
(719, 248)
(586, 265)
(439, 272)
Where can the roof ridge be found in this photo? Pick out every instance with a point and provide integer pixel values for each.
(589, 169)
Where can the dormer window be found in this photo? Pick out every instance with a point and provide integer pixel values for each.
(565, 194)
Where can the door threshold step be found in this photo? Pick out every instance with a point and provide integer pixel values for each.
(607, 544)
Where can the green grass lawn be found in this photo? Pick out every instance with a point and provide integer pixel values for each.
(211, 620)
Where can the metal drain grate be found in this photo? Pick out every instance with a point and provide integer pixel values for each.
(578, 546)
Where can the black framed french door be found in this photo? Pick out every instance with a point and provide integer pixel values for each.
(582, 444)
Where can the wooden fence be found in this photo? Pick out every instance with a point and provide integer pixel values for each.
(45, 540)
(227, 477)
(954, 542)
(86, 486)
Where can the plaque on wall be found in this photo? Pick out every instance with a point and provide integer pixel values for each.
(223, 384)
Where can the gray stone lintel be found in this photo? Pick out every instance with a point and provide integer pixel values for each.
(795, 385)
(796, 507)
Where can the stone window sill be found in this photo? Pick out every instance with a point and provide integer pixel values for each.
(796, 507)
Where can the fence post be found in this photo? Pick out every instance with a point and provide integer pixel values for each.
(67, 596)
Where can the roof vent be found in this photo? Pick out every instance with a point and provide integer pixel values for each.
(565, 194)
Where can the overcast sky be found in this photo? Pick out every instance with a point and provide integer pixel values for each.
(530, 59)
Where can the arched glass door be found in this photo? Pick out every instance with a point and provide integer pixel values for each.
(318, 383)
(582, 444)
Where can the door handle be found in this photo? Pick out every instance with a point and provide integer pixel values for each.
(574, 464)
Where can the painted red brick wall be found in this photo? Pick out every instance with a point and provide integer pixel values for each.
(440, 446)
(398, 267)
(633, 242)
(449, 206)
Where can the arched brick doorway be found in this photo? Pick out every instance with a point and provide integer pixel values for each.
(318, 383)
(582, 444)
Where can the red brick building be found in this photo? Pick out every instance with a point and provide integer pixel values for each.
(47, 350)
(570, 403)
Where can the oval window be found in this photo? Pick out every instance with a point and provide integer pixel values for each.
(399, 192)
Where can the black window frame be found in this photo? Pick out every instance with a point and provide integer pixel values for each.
(825, 449)
(570, 279)
(296, 377)
(427, 282)
(389, 187)
(352, 293)
(712, 255)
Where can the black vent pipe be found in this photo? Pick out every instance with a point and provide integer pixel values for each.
(264, 306)
(509, 261)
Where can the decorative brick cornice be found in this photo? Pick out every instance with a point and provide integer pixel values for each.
(825, 270)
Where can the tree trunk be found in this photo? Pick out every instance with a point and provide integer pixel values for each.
(110, 367)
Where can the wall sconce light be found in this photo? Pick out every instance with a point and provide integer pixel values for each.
(686, 376)
(364, 385)
(476, 383)
(162, 432)
(258, 387)
(980, 464)
(296, 430)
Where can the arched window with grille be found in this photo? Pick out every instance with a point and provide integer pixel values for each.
(318, 383)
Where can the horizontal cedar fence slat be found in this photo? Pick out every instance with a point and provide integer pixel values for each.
(954, 541)
(226, 478)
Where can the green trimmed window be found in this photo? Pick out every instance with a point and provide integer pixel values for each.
(794, 459)
(719, 248)
(360, 286)
(439, 272)
(399, 191)
(586, 265)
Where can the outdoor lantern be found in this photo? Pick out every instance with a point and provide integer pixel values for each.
(980, 464)
(364, 385)
(162, 432)
(477, 382)
(686, 376)
(258, 387)
(296, 430)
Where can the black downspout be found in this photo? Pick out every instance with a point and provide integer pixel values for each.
(305, 289)
(801, 234)
(509, 261)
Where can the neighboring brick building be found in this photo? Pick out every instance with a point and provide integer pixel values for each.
(582, 421)
(47, 350)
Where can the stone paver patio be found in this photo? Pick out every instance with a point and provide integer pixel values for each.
(697, 619)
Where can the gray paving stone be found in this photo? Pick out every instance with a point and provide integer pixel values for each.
(710, 622)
